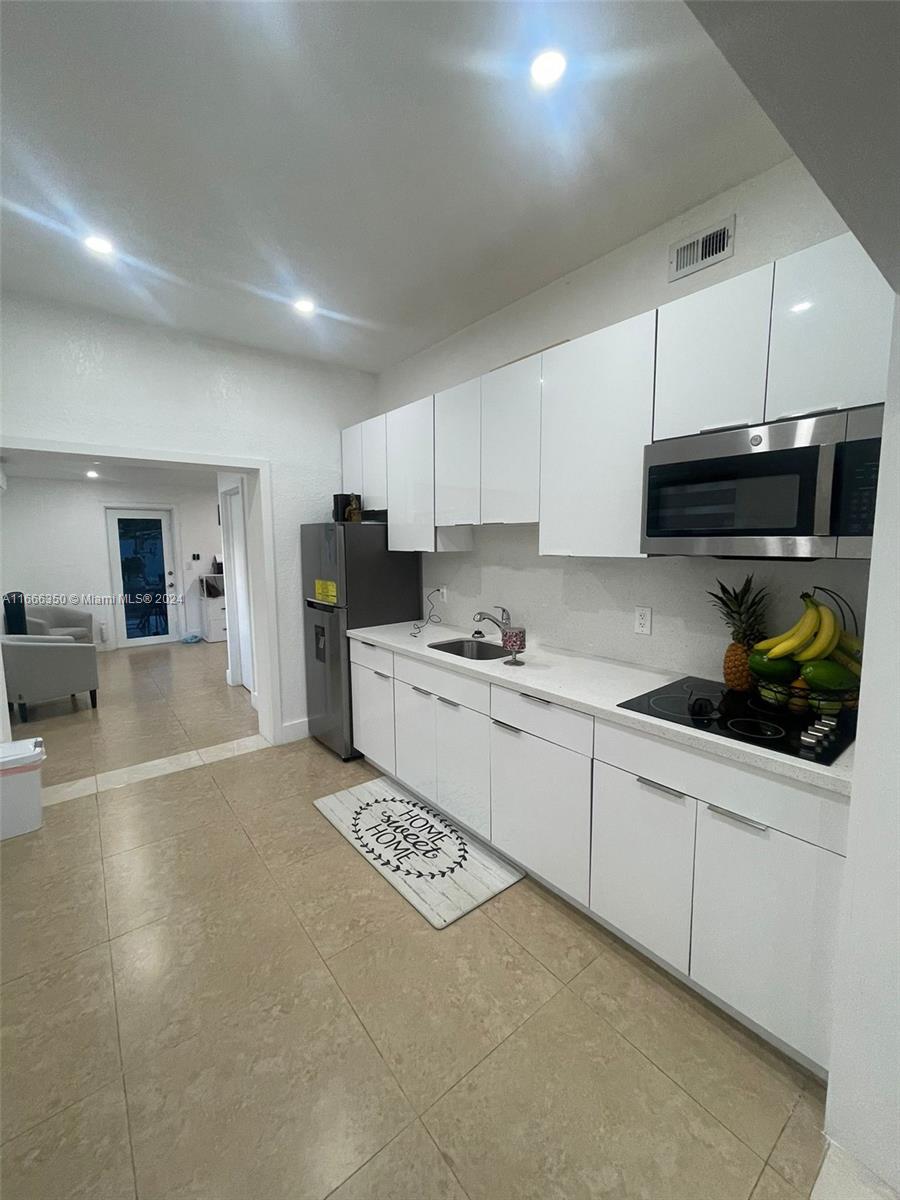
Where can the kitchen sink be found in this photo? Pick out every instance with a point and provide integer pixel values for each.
(470, 648)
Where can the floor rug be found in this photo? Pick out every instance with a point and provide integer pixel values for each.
(441, 870)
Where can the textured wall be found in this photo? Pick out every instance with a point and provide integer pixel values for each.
(588, 604)
(80, 377)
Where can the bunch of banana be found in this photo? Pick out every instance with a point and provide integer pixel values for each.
(814, 636)
(813, 658)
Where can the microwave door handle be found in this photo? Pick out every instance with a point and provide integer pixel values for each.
(824, 488)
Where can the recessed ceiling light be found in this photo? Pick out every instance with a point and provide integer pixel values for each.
(92, 474)
(305, 306)
(99, 245)
(802, 306)
(548, 68)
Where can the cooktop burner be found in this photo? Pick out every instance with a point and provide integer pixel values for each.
(744, 717)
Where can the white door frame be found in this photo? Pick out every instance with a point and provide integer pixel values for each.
(166, 515)
(260, 520)
(238, 606)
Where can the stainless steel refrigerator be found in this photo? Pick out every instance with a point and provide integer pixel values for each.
(350, 579)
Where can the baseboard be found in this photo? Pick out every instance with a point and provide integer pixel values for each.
(293, 731)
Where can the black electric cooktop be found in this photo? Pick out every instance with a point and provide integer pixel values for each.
(744, 717)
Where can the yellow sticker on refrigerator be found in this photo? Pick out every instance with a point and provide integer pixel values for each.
(326, 591)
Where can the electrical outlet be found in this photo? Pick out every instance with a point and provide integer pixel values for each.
(441, 591)
(643, 621)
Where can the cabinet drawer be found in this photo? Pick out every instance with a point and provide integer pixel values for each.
(642, 861)
(376, 658)
(459, 689)
(564, 726)
(373, 715)
(798, 809)
(541, 808)
(764, 925)
(414, 738)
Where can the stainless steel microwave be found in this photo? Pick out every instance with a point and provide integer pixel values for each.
(803, 488)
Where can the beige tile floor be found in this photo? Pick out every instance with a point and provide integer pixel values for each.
(153, 701)
(208, 993)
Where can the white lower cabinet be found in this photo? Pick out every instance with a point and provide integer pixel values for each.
(463, 740)
(764, 924)
(414, 728)
(642, 861)
(373, 714)
(541, 807)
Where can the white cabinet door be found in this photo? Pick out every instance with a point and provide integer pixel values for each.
(711, 354)
(410, 476)
(414, 724)
(831, 330)
(351, 460)
(596, 417)
(457, 455)
(511, 443)
(373, 715)
(541, 808)
(765, 915)
(642, 861)
(374, 462)
(464, 764)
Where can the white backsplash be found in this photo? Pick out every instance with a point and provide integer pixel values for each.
(588, 604)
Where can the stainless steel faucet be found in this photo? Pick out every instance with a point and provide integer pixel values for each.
(505, 620)
(512, 637)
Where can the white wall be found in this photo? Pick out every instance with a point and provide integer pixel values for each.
(864, 1088)
(83, 378)
(55, 539)
(778, 212)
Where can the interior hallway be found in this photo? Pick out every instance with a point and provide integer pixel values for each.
(152, 702)
(208, 992)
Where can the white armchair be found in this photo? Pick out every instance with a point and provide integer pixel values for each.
(47, 668)
(55, 620)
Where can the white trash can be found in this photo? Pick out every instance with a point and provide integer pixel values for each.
(21, 809)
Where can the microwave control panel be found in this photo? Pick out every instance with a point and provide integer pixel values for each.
(856, 487)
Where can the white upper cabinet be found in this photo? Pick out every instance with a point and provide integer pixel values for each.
(457, 455)
(374, 462)
(596, 417)
(711, 353)
(351, 460)
(511, 443)
(410, 476)
(831, 330)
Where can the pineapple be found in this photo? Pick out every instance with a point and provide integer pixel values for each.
(743, 610)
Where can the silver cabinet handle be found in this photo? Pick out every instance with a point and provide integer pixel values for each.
(381, 675)
(451, 703)
(722, 428)
(534, 699)
(660, 787)
(371, 645)
(421, 691)
(733, 816)
(503, 725)
(817, 412)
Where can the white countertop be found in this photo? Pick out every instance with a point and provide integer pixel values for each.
(597, 686)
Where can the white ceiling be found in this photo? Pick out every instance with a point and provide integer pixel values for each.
(44, 464)
(389, 159)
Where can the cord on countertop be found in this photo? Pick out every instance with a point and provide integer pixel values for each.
(431, 618)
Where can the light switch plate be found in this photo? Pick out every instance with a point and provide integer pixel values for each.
(643, 621)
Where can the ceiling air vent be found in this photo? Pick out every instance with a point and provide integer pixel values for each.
(701, 249)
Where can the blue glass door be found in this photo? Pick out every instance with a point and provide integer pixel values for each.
(143, 560)
(143, 576)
